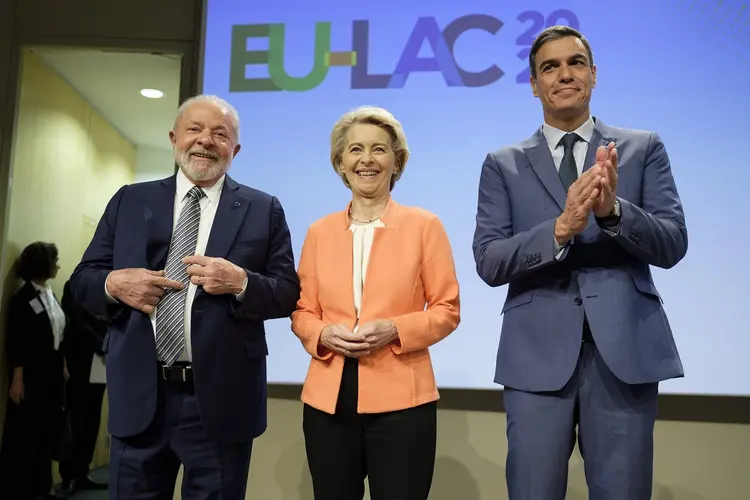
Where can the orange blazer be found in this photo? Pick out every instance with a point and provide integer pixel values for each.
(410, 279)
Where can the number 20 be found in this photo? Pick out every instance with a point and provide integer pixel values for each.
(537, 24)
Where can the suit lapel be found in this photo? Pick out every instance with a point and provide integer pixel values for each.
(600, 137)
(229, 217)
(159, 213)
(541, 162)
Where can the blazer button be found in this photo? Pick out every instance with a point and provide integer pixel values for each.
(578, 301)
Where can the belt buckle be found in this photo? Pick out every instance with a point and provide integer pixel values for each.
(165, 370)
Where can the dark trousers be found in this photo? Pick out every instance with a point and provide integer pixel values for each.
(615, 435)
(145, 467)
(28, 444)
(394, 450)
(85, 406)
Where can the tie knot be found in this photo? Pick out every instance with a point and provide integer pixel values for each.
(196, 193)
(569, 140)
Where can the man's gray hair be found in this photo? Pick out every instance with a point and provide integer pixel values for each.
(213, 99)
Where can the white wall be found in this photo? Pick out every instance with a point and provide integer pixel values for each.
(153, 163)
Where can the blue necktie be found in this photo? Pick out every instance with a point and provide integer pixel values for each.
(568, 169)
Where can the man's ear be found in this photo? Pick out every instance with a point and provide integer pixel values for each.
(532, 81)
(593, 76)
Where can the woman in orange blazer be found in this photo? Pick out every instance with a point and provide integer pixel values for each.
(378, 288)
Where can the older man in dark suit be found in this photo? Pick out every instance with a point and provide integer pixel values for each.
(187, 269)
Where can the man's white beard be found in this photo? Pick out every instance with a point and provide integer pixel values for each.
(184, 161)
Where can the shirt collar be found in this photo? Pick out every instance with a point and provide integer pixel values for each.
(184, 185)
(555, 135)
(39, 288)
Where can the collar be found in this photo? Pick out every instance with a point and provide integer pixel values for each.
(184, 185)
(389, 217)
(554, 135)
(39, 288)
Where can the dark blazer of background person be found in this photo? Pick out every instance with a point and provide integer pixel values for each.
(32, 425)
(84, 338)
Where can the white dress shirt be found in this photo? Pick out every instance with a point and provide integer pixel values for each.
(208, 203)
(363, 236)
(54, 311)
(580, 150)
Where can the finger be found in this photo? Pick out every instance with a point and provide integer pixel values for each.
(167, 283)
(196, 280)
(601, 155)
(590, 179)
(201, 260)
(147, 308)
(614, 158)
(358, 354)
(592, 198)
(352, 346)
(152, 300)
(196, 270)
(154, 273)
(355, 338)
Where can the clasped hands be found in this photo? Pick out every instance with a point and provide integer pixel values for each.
(142, 289)
(594, 191)
(368, 339)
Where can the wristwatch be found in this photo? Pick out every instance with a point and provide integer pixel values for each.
(614, 216)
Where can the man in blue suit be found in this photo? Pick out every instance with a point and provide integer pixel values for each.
(186, 269)
(571, 219)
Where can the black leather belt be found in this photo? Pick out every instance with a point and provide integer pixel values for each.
(178, 372)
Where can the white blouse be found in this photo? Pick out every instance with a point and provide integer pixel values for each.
(363, 235)
(54, 311)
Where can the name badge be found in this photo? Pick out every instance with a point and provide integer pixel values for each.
(36, 306)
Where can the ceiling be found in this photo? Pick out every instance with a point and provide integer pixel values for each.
(111, 82)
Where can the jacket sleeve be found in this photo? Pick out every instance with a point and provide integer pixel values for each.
(307, 322)
(19, 346)
(502, 256)
(87, 282)
(419, 330)
(654, 232)
(274, 293)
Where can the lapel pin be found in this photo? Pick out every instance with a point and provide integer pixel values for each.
(236, 203)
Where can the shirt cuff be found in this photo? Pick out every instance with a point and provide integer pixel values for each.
(559, 251)
(241, 295)
(110, 299)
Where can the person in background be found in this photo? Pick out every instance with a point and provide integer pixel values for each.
(572, 219)
(83, 339)
(34, 331)
(186, 270)
(378, 288)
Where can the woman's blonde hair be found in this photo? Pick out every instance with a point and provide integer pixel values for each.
(373, 116)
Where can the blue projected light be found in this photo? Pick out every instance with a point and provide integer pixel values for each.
(455, 74)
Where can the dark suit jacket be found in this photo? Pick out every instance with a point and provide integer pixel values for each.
(31, 345)
(84, 338)
(228, 337)
(603, 277)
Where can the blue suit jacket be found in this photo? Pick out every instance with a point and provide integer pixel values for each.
(228, 337)
(605, 277)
